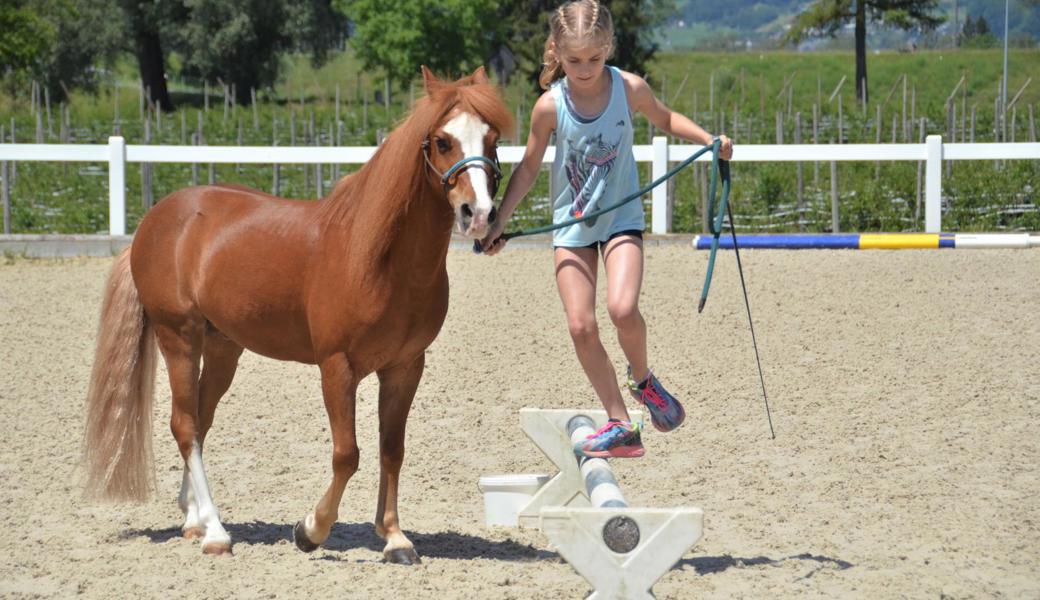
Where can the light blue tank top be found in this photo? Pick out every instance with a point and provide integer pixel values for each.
(594, 168)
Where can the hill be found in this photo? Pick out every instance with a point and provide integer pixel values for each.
(757, 23)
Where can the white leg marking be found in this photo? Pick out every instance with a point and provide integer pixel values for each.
(208, 516)
(186, 501)
(397, 541)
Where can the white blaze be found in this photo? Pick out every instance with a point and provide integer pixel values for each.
(470, 132)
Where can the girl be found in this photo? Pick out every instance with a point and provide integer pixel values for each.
(589, 106)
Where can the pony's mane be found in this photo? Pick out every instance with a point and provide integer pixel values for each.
(397, 173)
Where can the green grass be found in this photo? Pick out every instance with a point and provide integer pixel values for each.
(72, 198)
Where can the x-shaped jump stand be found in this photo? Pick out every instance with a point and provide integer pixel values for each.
(621, 551)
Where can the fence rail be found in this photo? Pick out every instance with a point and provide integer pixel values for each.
(117, 154)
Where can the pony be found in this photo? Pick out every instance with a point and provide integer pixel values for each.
(355, 283)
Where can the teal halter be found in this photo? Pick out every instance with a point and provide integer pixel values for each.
(448, 177)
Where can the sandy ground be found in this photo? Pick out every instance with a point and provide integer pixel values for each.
(904, 388)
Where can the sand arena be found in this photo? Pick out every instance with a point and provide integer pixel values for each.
(904, 388)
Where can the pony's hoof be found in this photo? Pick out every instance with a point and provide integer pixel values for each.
(217, 548)
(193, 533)
(402, 556)
(299, 536)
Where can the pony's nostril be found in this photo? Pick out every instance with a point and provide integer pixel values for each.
(466, 211)
(492, 215)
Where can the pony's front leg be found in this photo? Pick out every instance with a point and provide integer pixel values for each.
(339, 388)
(396, 390)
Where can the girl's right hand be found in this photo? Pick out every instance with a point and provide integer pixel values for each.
(493, 243)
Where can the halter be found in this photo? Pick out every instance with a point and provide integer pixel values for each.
(449, 177)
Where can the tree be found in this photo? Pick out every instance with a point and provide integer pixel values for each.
(24, 37)
(399, 36)
(234, 42)
(827, 17)
(240, 42)
(634, 25)
(75, 37)
(977, 34)
(144, 24)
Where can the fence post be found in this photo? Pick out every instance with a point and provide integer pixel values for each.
(933, 184)
(662, 213)
(5, 173)
(116, 185)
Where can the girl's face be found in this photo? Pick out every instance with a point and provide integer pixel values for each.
(583, 65)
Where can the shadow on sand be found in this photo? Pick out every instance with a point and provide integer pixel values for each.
(348, 536)
(452, 545)
(708, 565)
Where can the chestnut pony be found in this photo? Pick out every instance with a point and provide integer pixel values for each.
(355, 283)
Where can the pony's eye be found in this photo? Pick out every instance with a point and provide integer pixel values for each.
(443, 145)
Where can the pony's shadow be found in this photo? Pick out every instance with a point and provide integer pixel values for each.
(708, 565)
(349, 536)
(450, 544)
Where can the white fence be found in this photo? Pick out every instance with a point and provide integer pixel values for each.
(117, 154)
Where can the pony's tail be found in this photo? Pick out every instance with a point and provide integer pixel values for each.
(117, 444)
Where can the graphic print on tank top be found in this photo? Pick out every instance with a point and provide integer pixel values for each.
(588, 163)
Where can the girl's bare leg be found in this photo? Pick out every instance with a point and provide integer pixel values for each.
(576, 279)
(623, 259)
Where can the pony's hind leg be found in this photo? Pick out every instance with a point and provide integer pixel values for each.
(396, 390)
(339, 389)
(181, 346)
(219, 362)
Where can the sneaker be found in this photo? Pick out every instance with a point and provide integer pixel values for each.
(665, 411)
(616, 439)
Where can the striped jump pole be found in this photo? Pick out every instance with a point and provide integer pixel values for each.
(600, 484)
(619, 549)
(875, 241)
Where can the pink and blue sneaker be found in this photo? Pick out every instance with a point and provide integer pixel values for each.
(665, 411)
(616, 439)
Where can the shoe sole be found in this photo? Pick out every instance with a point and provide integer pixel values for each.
(621, 452)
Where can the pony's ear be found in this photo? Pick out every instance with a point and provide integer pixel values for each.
(429, 79)
(480, 76)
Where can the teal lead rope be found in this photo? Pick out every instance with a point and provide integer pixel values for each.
(720, 169)
(716, 165)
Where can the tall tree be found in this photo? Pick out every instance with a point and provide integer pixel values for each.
(145, 23)
(235, 42)
(827, 17)
(220, 40)
(398, 36)
(79, 36)
(24, 37)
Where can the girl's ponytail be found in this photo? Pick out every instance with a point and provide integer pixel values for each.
(551, 67)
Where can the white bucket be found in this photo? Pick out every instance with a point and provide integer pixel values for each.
(505, 495)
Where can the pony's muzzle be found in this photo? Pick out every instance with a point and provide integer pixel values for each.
(475, 223)
(467, 213)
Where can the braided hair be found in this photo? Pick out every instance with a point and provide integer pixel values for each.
(575, 22)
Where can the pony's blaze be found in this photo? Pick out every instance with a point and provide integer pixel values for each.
(472, 203)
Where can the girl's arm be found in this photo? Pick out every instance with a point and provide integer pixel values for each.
(641, 98)
(543, 123)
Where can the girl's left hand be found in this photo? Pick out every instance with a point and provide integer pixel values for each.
(725, 148)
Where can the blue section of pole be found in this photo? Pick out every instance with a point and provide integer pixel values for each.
(789, 242)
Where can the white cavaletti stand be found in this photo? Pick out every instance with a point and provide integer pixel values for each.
(621, 551)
